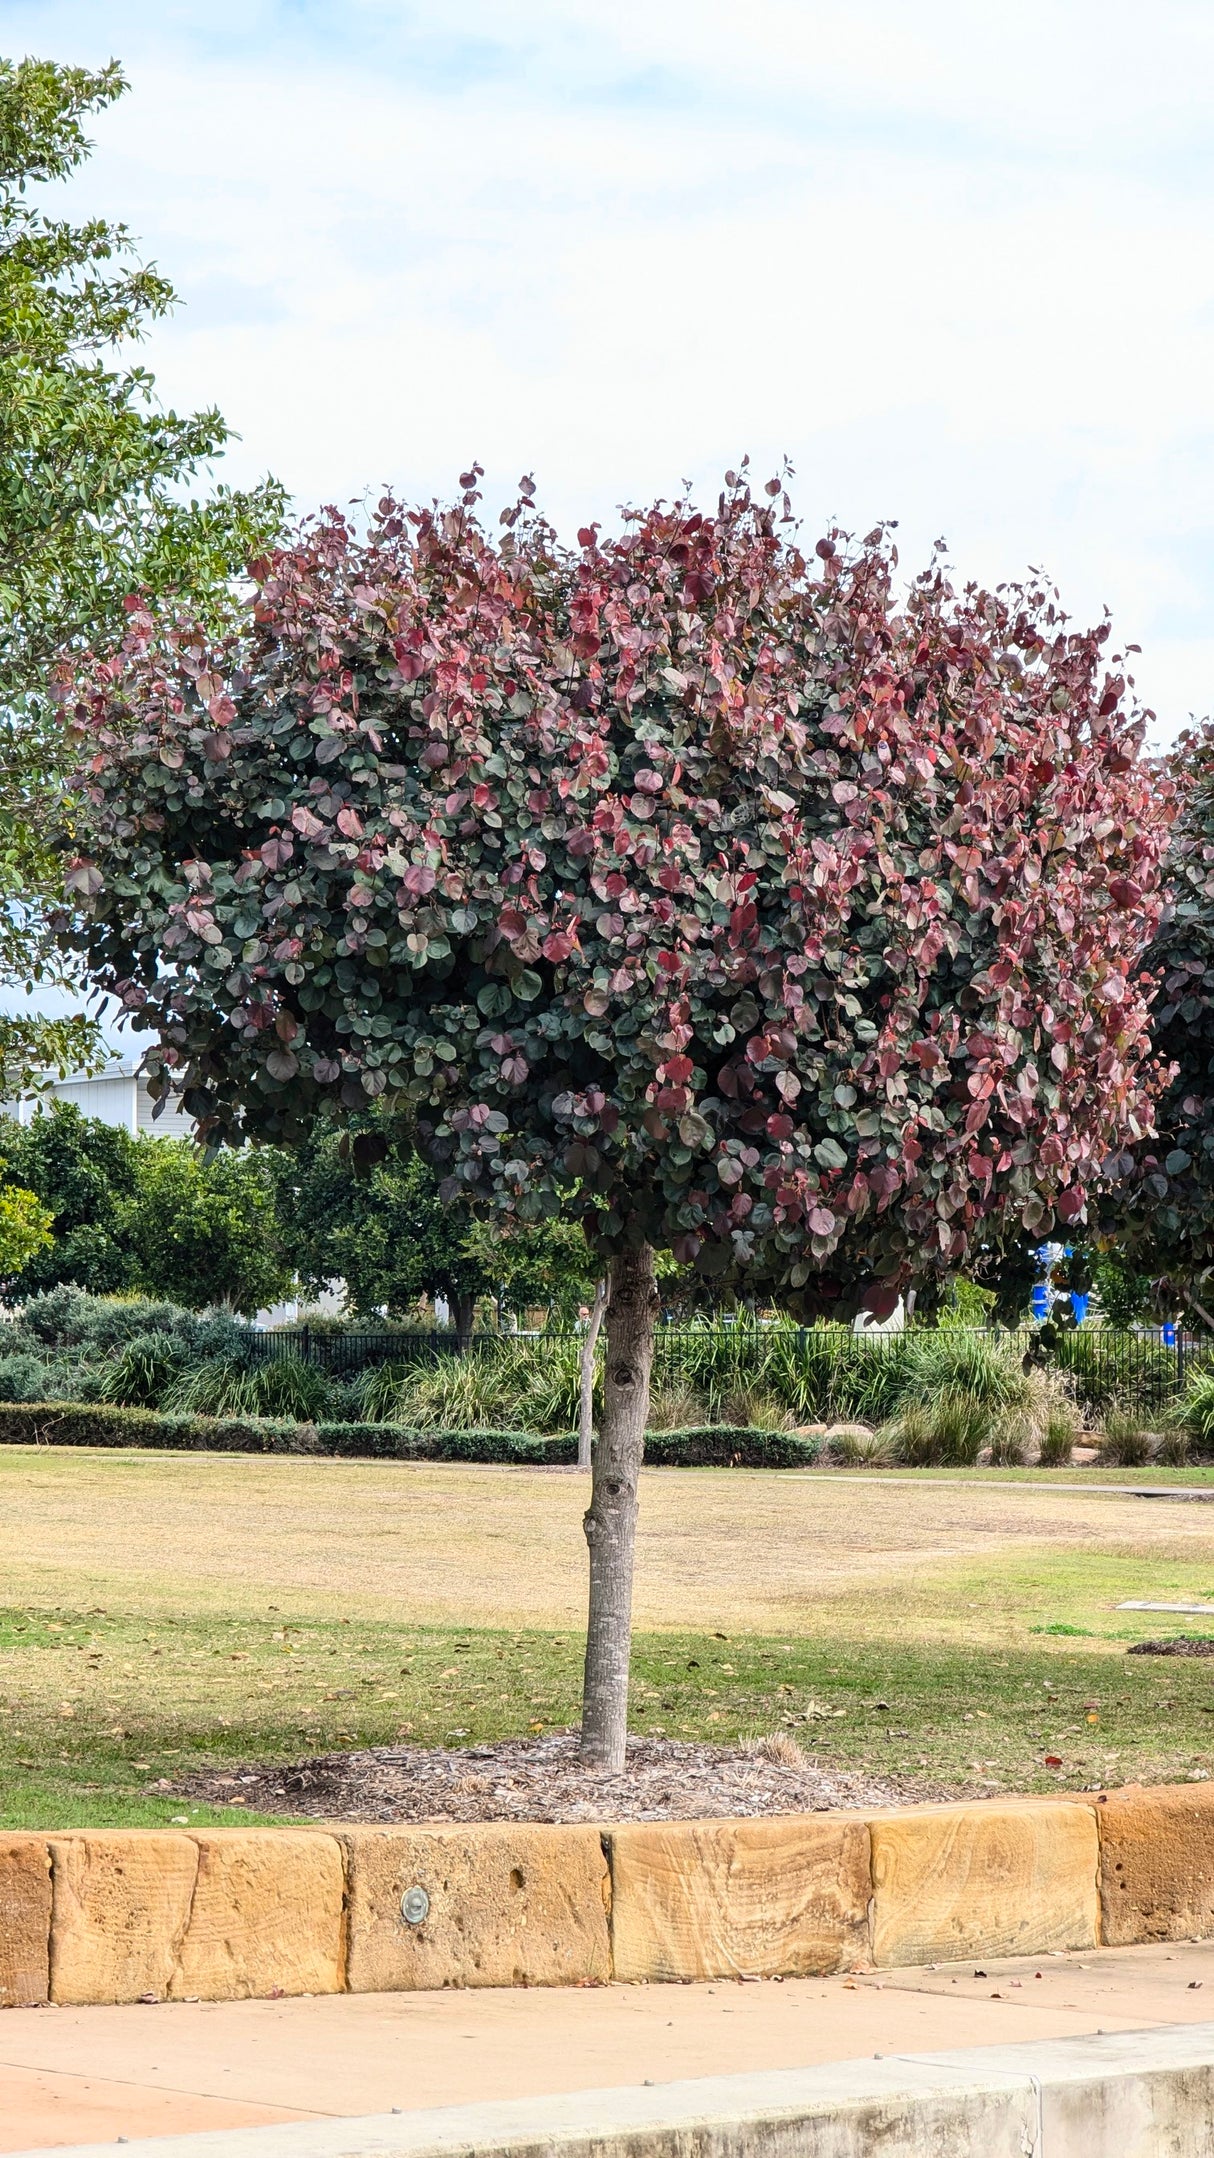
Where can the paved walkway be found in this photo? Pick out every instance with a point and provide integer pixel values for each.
(77, 2075)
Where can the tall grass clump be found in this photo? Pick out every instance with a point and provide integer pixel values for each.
(141, 1374)
(515, 1386)
(1196, 1411)
(983, 1366)
(1127, 1442)
(1060, 1430)
(285, 1387)
(947, 1431)
(1106, 1369)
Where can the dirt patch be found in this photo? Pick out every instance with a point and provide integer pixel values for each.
(542, 1779)
(1202, 1646)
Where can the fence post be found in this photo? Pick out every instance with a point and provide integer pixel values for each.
(307, 1344)
(1180, 1359)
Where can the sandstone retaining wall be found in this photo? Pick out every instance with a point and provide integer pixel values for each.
(106, 1915)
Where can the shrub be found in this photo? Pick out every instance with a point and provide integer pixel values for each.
(1196, 1412)
(855, 1447)
(72, 1424)
(947, 1431)
(982, 1368)
(22, 1378)
(142, 1372)
(726, 1446)
(279, 1387)
(1125, 1442)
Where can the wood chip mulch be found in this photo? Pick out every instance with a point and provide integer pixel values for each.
(542, 1779)
(1186, 1645)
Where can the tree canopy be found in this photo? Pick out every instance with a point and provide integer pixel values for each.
(92, 507)
(680, 878)
(1160, 1206)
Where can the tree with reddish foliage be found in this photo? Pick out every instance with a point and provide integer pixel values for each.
(1159, 1205)
(701, 886)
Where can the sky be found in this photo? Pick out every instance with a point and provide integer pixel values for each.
(952, 260)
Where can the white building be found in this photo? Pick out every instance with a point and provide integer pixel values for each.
(117, 1095)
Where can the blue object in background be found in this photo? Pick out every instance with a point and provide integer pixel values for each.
(1079, 1304)
(1169, 1335)
(1040, 1300)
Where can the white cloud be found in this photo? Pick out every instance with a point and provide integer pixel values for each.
(956, 262)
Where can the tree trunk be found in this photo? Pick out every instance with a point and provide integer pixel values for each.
(585, 1434)
(610, 1523)
(465, 1317)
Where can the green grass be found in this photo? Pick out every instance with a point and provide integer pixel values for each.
(152, 1701)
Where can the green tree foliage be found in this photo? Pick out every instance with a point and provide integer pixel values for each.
(148, 1216)
(205, 1232)
(25, 1228)
(368, 1212)
(365, 1208)
(1125, 1292)
(85, 1173)
(92, 507)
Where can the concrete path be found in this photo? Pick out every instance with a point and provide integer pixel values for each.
(94, 2075)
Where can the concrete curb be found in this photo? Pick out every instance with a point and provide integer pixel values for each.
(1136, 2094)
(111, 1915)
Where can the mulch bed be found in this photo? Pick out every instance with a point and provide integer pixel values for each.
(1185, 1646)
(542, 1779)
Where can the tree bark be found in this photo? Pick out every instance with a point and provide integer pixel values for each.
(585, 1434)
(465, 1318)
(610, 1522)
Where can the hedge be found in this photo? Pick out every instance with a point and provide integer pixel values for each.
(69, 1423)
(727, 1446)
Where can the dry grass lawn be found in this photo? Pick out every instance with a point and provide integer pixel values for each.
(447, 1545)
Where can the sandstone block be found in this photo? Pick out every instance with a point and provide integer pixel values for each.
(991, 1880)
(266, 1916)
(508, 1904)
(1157, 1863)
(120, 1911)
(709, 1899)
(25, 1920)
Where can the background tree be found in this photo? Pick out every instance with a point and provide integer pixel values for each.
(142, 1214)
(712, 895)
(91, 501)
(84, 1173)
(1160, 1208)
(361, 1206)
(205, 1232)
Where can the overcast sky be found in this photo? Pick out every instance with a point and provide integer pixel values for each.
(954, 260)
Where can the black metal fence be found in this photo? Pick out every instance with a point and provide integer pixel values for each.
(832, 1371)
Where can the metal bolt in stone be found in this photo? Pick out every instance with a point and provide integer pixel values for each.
(414, 1906)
